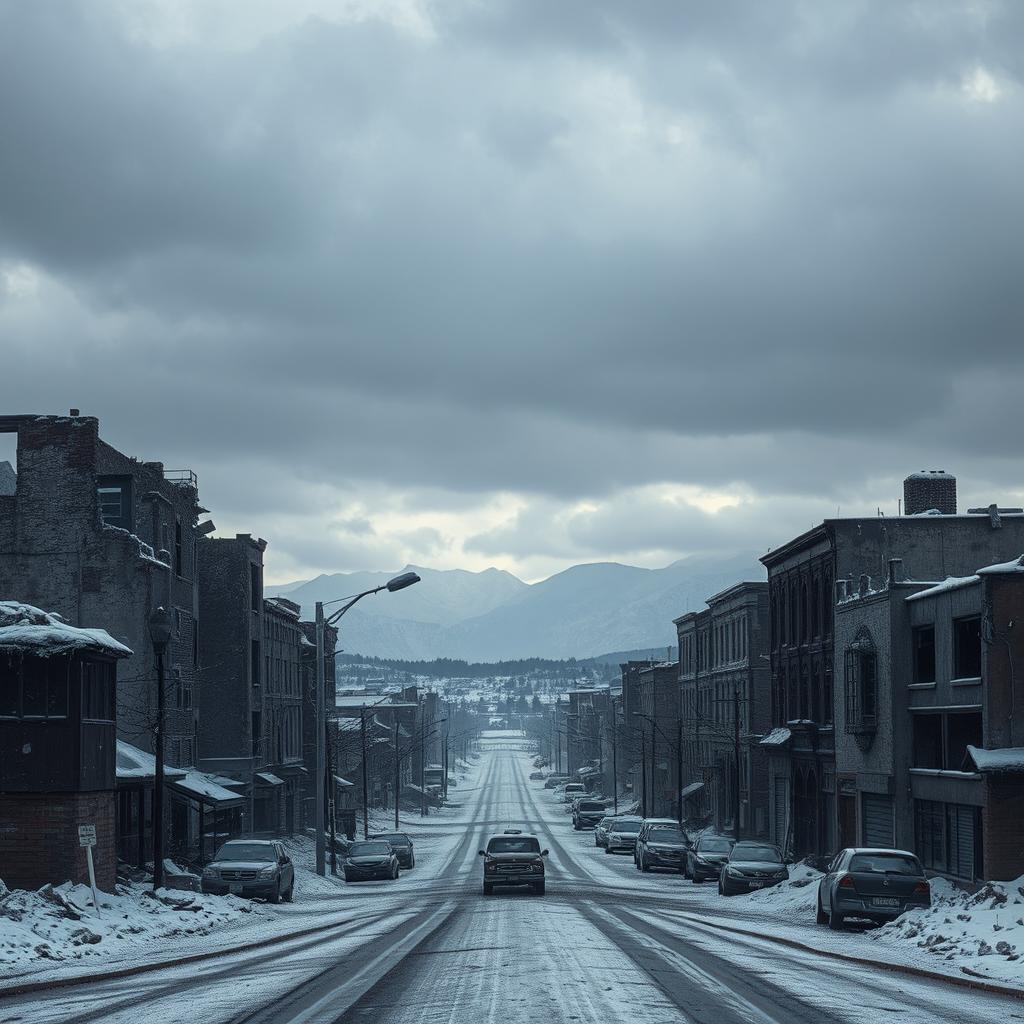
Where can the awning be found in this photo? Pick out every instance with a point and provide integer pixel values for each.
(588, 770)
(269, 779)
(777, 737)
(200, 786)
(135, 765)
(343, 782)
(692, 788)
(1001, 761)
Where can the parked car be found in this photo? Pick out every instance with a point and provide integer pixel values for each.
(536, 776)
(622, 833)
(651, 821)
(402, 845)
(752, 865)
(571, 791)
(587, 813)
(661, 845)
(876, 884)
(601, 829)
(705, 859)
(251, 867)
(513, 858)
(554, 781)
(371, 858)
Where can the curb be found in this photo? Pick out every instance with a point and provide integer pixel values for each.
(973, 982)
(126, 972)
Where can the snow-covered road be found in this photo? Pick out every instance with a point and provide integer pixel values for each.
(606, 943)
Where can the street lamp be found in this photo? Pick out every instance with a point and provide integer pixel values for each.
(160, 635)
(400, 582)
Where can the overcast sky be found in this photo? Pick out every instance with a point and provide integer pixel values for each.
(520, 282)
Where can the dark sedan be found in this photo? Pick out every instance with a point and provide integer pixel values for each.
(661, 846)
(752, 866)
(707, 857)
(402, 846)
(251, 867)
(875, 884)
(372, 858)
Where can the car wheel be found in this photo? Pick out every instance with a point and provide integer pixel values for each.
(835, 921)
(488, 889)
(606, 850)
(820, 916)
(538, 889)
(394, 874)
(721, 891)
(412, 862)
(275, 896)
(289, 896)
(644, 866)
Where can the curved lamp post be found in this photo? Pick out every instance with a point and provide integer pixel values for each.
(400, 582)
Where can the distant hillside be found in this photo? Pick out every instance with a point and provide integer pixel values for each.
(492, 616)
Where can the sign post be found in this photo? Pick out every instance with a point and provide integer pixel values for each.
(87, 838)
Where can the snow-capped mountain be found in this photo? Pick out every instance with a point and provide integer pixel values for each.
(585, 611)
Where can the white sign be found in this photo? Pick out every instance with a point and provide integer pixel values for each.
(86, 835)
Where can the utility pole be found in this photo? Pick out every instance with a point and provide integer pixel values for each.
(615, 774)
(366, 801)
(423, 765)
(679, 767)
(643, 774)
(736, 753)
(330, 800)
(318, 732)
(398, 772)
(654, 773)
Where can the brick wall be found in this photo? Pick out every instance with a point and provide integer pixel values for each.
(1003, 829)
(39, 838)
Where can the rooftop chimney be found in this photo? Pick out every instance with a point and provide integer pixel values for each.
(930, 489)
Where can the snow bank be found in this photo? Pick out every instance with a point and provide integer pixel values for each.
(59, 923)
(981, 933)
(794, 898)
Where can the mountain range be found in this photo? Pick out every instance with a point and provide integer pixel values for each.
(582, 612)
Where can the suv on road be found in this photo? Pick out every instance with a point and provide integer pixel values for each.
(513, 858)
(661, 845)
(587, 813)
(251, 867)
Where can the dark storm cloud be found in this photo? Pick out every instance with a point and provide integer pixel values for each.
(562, 250)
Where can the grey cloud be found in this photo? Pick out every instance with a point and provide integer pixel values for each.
(563, 250)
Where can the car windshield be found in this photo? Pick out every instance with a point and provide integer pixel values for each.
(714, 844)
(743, 852)
(395, 838)
(880, 863)
(666, 834)
(370, 849)
(627, 826)
(591, 805)
(514, 844)
(246, 851)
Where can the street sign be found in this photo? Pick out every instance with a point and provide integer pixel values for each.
(86, 835)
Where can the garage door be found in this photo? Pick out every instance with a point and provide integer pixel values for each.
(878, 828)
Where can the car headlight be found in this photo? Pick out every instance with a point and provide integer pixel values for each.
(269, 871)
(210, 872)
(733, 872)
(538, 865)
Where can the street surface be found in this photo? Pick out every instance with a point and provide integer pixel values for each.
(605, 944)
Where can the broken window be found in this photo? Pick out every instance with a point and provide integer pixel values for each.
(924, 654)
(967, 648)
(927, 741)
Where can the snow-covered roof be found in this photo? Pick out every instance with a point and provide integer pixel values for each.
(1002, 761)
(31, 630)
(1017, 565)
(776, 738)
(949, 583)
(692, 788)
(201, 786)
(133, 763)
(269, 778)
